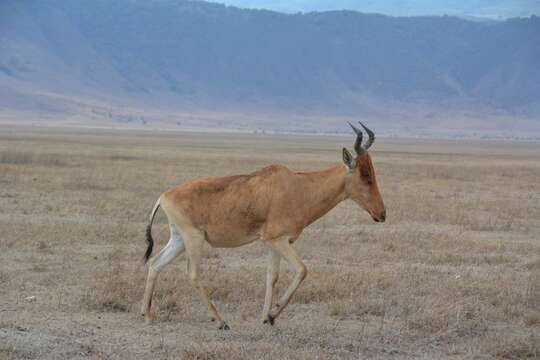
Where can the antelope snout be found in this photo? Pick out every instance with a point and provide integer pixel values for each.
(381, 217)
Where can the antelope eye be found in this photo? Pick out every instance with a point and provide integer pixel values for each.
(364, 172)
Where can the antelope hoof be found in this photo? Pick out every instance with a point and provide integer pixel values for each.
(269, 320)
(148, 318)
(224, 326)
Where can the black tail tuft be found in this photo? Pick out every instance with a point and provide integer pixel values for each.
(149, 241)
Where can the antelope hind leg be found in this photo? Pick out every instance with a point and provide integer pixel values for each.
(194, 248)
(174, 247)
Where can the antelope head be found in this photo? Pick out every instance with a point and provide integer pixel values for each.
(361, 184)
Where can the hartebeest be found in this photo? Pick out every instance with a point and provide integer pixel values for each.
(273, 204)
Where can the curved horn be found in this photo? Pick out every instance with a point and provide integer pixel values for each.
(358, 143)
(371, 136)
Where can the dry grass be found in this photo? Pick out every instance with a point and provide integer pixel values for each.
(453, 273)
(25, 158)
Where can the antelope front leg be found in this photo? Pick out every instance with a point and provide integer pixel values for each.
(272, 275)
(285, 249)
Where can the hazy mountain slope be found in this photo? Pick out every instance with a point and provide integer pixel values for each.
(182, 54)
(492, 9)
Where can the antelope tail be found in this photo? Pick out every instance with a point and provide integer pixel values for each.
(149, 239)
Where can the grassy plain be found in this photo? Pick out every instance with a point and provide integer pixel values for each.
(453, 273)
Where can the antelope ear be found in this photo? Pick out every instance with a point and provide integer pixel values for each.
(348, 158)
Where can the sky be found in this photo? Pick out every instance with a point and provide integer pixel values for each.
(488, 9)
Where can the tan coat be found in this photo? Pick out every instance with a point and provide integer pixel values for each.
(273, 204)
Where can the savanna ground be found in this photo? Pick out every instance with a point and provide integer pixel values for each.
(453, 273)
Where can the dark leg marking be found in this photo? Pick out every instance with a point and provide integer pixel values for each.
(269, 320)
